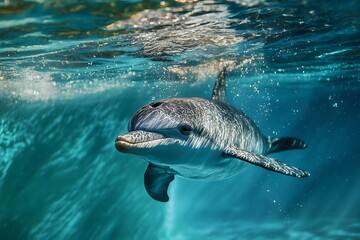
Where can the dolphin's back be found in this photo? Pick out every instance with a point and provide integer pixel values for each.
(227, 126)
(244, 134)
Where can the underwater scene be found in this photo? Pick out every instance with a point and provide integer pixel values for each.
(74, 73)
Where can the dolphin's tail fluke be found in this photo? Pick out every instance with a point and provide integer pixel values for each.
(285, 143)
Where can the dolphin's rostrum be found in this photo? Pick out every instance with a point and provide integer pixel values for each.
(198, 138)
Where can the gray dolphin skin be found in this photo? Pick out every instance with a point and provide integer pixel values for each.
(202, 139)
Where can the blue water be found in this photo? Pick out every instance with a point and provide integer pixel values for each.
(73, 73)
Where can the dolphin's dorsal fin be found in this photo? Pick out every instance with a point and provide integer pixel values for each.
(265, 162)
(219, 88)
(157, 181)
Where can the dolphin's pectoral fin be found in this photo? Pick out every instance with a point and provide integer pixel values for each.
(285, 143)
(157, 181)
(266, 162)
(219, 88)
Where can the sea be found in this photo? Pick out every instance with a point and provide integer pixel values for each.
(73, 73)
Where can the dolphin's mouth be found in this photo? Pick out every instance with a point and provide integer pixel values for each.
(137, 139)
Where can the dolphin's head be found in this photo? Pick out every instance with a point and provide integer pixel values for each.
(164, 131)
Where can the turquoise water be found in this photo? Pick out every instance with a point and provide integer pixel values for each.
(73, 73)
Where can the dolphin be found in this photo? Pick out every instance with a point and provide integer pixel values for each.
(197, 138)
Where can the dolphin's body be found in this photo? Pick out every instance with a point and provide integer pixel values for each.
(198, 138)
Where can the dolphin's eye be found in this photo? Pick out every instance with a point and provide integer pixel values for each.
(155, 104)
(185, 130)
